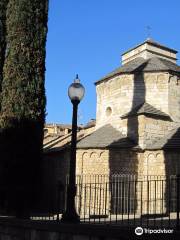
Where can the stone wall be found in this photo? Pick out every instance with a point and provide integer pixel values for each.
(124, 161)
(145, 130)
(158, 167)
(154, 163)
(55, 169)
(158, 163)
(172, 159)
(144, 172)
(99, 161)
(92, 161)
(117, 96)
(151, 163)
(174, 97)
(155, 129)
(157, 90)
(95, 168)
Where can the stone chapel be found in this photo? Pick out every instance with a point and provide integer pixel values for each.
(138, 116)
(137, 127)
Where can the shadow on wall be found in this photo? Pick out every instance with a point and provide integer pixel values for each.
(20, 163)
(139, 93)
(123, 177)
(54, 177)
(172, 168)
(125, 161)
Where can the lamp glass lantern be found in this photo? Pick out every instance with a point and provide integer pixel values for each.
(76, 90)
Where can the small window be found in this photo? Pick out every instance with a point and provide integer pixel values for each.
(108, 111)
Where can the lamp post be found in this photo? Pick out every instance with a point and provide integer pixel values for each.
(76, 93)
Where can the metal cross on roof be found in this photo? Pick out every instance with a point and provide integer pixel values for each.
(148, 29)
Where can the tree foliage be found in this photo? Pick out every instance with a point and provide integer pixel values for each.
(3, 5)
(23, 94)
(23, 99)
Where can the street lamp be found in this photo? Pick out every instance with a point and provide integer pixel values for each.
(76, 93)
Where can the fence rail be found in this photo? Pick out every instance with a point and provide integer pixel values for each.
(128, 200)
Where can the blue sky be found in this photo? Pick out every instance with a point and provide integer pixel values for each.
(88, 37)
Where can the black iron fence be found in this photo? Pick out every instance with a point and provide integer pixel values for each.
(127, 200)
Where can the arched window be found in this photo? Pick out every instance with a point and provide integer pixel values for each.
(108, 111)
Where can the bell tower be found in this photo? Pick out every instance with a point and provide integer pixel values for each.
(149, 49)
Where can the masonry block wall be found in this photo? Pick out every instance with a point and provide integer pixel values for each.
(112, 161)
(106, 162)
(142, 163)
(147, 165)
(157, 90)
(118, 95)
(92, 161)
(145, 129)
(174, 97)
(156, 128)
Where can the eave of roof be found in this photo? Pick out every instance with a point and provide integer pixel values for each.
(127, 68)
(61, 143)
(153, 43)
(106, 137)
(148, 110)
(154, 64)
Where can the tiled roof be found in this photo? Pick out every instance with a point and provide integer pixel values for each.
(160, 64)
(109, 137)
(61, 142)
(146, 109)
(63, 126)
(126, 68)
(106, 136)
(90, 124)
(170, 141)
(143, 65)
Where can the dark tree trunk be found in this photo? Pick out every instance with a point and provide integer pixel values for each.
(23, 102)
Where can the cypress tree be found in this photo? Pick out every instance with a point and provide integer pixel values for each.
(23, 102)
(3, 5)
